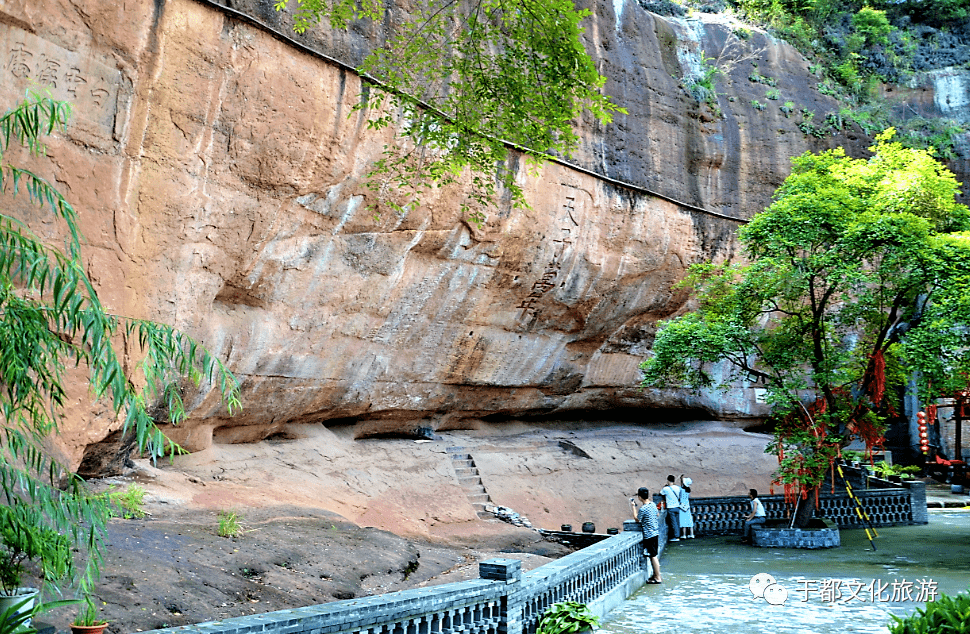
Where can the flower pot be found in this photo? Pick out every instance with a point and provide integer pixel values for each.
(88, 629)
(566, 528)
(19, 595)
(589, 527)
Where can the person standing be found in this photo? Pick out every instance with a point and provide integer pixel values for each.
(756, 517)
(649, 519)
(671, 493)
(686, 517)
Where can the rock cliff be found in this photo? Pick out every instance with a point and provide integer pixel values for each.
(217, 166)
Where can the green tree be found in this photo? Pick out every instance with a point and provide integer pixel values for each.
(50, 320)
(857, 277)
(872, 25)
(470, 79)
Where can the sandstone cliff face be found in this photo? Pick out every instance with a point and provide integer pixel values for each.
(218, 177)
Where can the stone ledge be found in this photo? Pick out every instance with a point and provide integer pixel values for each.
(823, 534)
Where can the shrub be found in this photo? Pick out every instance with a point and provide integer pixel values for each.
(801, 34)
(130, 501)
(847, 72)
(872, 25)
(946, 615)
(229, 524)
(758, 78)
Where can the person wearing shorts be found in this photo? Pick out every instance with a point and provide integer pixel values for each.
(649, 519)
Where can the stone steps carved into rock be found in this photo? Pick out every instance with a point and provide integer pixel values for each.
(471, 482)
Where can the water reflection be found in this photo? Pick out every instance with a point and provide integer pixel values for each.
(706, 582)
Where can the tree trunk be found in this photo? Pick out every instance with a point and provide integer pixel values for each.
(804, 510)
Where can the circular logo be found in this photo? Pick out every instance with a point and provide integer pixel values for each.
(759, 582)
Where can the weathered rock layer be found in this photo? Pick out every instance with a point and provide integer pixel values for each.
(218, 170)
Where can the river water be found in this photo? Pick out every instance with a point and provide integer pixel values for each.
(716, 584)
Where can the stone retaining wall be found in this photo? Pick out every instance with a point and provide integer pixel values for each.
(503, 601)
(810, 538)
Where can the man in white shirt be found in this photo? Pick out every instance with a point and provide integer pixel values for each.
(755, 518)
(671, 494)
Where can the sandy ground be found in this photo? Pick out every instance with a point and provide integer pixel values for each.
(327, 517)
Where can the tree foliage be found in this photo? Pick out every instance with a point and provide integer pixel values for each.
(51, 320)
(857, 277)
(468, 79)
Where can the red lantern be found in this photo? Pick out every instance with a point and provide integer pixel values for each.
(924, 443)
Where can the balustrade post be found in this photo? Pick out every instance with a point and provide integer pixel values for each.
(512, 601)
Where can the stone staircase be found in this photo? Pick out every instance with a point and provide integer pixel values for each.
(471, 481)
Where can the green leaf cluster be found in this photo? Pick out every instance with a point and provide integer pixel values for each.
(468, 80)
(88, 615)
(129, 502)
(51, 320)
(229, 525)
(25, 538)
(13, 620)
(856, 277)
(884, 469)
(947, 615)
(872, 26)
(567, 617)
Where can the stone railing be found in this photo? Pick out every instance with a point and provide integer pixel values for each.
(900, 505)
(503, 601)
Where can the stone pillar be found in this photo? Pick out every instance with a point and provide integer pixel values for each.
(917, 501)
(509, 571)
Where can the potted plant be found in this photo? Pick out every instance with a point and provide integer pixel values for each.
(16, 618)
(852, 457)
(909, 472)
(894, 472)
(23, 539)
(883, 469)
(88, 621)
(567, 617)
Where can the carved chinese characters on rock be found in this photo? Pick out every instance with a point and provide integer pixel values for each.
(35, 64)
(563, 239)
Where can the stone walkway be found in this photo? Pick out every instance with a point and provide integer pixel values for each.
(939, 495)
